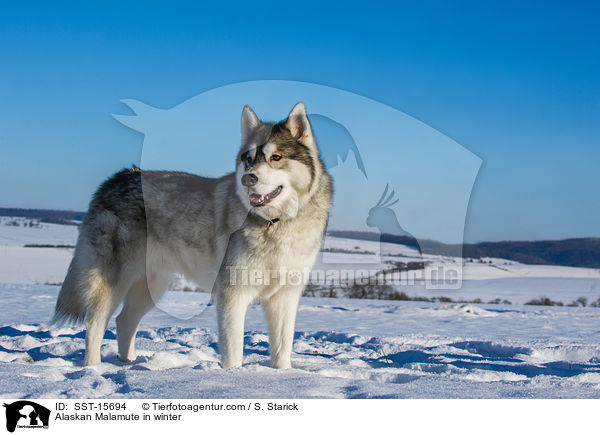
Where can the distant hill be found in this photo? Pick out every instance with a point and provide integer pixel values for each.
(581, 252)
(63, 217)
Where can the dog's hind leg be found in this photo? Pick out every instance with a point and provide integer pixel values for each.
(103, 302)
(137, 303)
(281, 316)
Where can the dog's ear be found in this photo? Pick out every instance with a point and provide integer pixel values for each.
(249, 122)
(298, 124)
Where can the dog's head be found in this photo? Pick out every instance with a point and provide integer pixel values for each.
(278, 166)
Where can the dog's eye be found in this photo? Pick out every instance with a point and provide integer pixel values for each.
(275, 157)
(246, 158)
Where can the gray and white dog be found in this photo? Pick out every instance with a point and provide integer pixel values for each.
(267, 219)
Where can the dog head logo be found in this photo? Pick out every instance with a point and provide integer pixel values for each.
(338, 143)
(26, 414)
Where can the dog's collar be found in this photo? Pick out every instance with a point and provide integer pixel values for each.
(261, 221)
(272, 222)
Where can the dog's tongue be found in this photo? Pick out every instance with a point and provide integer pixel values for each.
(255, 198)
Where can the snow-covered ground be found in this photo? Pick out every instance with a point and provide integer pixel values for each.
(344, 348)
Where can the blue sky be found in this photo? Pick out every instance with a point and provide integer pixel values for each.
(516, 83)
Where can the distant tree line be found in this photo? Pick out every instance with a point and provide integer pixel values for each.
(64, 217)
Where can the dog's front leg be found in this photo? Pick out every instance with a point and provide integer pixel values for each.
(281, 316)
(231, 311)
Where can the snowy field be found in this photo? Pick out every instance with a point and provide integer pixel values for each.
(344, 348)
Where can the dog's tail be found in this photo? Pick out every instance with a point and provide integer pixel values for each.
(71, 305)
(85, 289)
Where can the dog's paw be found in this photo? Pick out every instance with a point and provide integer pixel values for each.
(282, 365)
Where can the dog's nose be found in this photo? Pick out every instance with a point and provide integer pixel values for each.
(249, 180)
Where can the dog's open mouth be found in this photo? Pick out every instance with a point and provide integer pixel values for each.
(258, 200)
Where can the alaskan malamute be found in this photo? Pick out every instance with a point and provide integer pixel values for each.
(265, 221)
